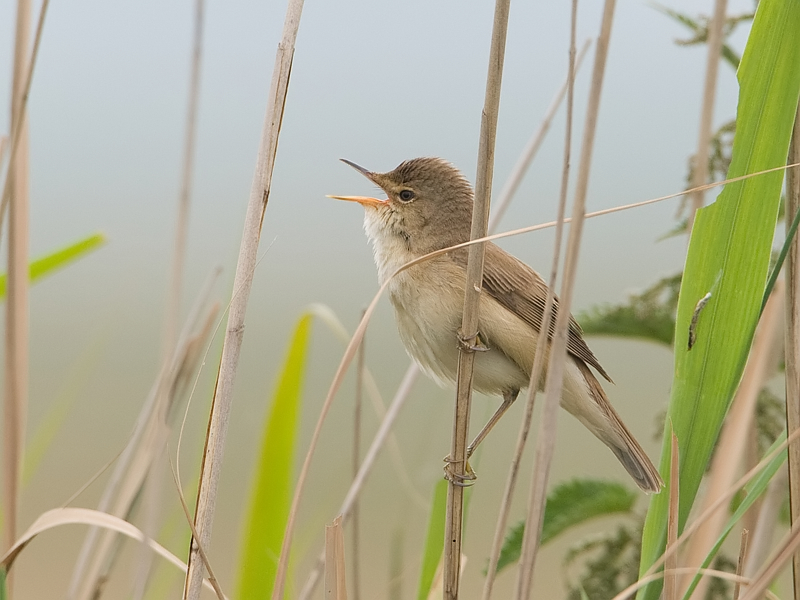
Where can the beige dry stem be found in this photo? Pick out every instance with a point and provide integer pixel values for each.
(243, 279)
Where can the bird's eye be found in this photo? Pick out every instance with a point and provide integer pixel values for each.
(406, 196)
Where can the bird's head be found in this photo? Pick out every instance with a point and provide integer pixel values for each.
(428, 204)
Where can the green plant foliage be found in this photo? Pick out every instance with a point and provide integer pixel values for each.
(728, 257)
(649, 315)
(434, 540)
(266, 518)
(571, 504)
(699, 28)
(610, 564)
(58, 259)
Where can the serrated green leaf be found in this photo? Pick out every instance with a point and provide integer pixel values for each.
(728, 257)
(571, 504)
(265, 520)
(648, 316)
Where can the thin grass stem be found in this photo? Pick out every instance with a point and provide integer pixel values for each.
(243, 279)
(545, 443)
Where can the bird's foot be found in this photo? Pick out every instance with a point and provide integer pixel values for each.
(472, 343)
(465, 479)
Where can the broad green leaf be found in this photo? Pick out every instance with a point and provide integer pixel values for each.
(571, 504)
(60, 258)
(728, 258)
(266, 518)
(753, 492)
(434, 540)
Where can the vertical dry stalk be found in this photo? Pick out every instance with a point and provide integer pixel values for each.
(354, 527)
(243, 280)
(146, 442)
(528, 154)
(740, 563)
(732, 440)
(539, 357)
(16, 339)
(12, 141)
(182, 223)
(774, 565)
(792, 339)
(545, 445)
(366, 466)
(474, 277)
(767, 521)
(671, 564)
(335, 584)
(700, 167)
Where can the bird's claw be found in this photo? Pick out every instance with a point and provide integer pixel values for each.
(465, 479)
(472, 343)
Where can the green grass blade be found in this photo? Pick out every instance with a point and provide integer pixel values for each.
(728, 257)
(776, 270)
(753, 492)
(434, 540)
(58, 259)
(571, 504)
(265, 520)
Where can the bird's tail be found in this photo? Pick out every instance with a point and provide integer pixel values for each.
(616, 436)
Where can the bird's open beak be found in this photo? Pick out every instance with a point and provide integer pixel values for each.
(363, 200)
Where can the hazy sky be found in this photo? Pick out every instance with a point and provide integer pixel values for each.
(375, 82)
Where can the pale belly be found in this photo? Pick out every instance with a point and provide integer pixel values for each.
(428, 314)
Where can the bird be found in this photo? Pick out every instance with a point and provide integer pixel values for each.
(428, 207)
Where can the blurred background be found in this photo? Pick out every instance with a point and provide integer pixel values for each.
(376, 83)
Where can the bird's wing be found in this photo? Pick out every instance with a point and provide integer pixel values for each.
(523, 292)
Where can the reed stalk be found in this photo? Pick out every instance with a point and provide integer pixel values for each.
(545, 443)
(469, 323)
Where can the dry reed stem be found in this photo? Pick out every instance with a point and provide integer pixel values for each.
(412, 372)
(12, 141)
(130, 470)
(792, 338)
(15, 397)
(335, 586)
(700, 167)
(85, 516)
(530, 150)
(671, 564)
(774, 565)
(730, 450)
(369, 459)
(457, 459)
(182, 223)
(354, 527)
(243, 279)
(201, 551)
(631, 590)
(545, 443)
(542, 338)
(740, 563)
(768, 519)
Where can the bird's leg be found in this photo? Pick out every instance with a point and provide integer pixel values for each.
(472, 343)
(508, 400)
(465, 480)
